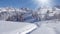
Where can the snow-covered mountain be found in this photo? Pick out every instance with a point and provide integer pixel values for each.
(47, 13)
(28, 15)
(43, 17)
(17, 14)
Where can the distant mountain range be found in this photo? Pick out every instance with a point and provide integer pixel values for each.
(29, 15)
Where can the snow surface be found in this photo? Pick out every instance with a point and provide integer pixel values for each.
(7, 27)
(21, 27)
(48, 27)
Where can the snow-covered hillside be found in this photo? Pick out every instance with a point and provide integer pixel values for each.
(28, 15)
(16, 20)
(48, 27)
(19, 15)
(7, 27)
(48, 13)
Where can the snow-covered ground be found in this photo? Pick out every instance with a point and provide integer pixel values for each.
(48, 27)
(7, 27)
(44, 27)
(25, 20)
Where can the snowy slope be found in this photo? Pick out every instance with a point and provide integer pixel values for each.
(15, 16)
(42, 14)
(48, 27)
(7, 27)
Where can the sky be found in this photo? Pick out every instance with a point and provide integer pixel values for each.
(24, 3)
